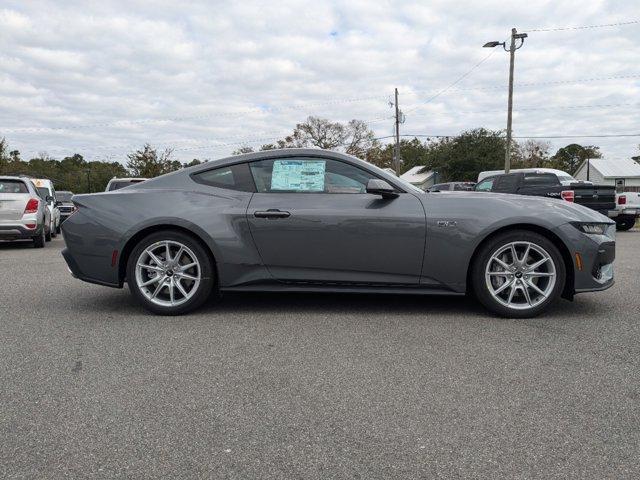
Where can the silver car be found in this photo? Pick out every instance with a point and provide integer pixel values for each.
(23, 212)
(313, 220)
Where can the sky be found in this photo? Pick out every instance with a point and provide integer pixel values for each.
(102, 78)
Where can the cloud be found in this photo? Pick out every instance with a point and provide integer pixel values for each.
(103, 78)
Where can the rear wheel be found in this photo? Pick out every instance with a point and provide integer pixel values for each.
(518, 274)
(58, 229)
(170, 273)
(38, 240)
(47, 235)
(624, 223)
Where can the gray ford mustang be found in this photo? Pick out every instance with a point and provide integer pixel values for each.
(314, 220)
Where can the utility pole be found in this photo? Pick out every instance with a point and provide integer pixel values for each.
(396, 153)
(512, 56)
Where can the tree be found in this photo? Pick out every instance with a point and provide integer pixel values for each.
(4, 158)
(532, 154)
(354, 138)
(461, 158)
(569, 158)
(242, 150)
(146, 162)
(192, 163)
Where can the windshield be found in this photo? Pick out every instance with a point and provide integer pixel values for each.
(13, 186)
(64, 196)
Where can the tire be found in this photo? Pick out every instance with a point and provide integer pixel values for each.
(38, 240)
(625, 223)
(58, 228)
(54, 230)
(512, 300)
(156, 295)
(47, 233)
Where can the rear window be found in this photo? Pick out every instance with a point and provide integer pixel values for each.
(13, 186)
(531, 179)
(232, 177)
(122, 183)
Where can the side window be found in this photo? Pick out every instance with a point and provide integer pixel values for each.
(232, 177)
(308, 175)
(506, 183)
(439, 187)
(463, 187)
(485, 185)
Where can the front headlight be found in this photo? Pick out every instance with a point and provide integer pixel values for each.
(592, 228)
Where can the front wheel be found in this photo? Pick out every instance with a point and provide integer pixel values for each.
(518, 274)
(170, 273)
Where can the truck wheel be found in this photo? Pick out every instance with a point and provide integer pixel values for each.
(625, 223)
(38, 240)
(518, 274)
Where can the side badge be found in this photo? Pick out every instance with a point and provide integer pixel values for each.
(447, 223)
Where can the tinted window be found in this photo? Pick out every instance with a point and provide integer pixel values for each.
(531, 179)
(506, 183)
(233, 177)
(13, 186)
(122, 183)
(485, 185)
(308, 175)
(439, 187)
(43, 191)
(463, 187)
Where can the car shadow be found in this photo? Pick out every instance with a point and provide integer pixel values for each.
(15, 244)
(120, 304)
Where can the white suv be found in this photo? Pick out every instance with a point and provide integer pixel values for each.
(46, 190)
(23, 213)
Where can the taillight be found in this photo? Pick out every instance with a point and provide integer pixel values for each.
(567, 195)
(32, 206)
(622, 200)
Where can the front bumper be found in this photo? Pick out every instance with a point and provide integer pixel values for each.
(593, 258)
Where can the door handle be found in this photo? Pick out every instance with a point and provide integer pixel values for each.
(271, 213)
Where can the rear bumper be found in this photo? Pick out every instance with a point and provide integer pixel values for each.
(18, 231)
(78, 273)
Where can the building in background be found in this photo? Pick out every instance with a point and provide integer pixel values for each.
(420, 177)
(623, 173)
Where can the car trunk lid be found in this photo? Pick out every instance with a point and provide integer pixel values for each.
(12, 205)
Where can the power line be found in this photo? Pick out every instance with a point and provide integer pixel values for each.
(457, 80)
(582, 27)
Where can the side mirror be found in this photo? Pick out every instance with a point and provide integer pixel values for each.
(57, 204)
(376, 186)
(48, 199)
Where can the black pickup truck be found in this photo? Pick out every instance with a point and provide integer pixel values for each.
(545, 184)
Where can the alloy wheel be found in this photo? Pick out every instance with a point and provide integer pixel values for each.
(520, 275)
(168, 273)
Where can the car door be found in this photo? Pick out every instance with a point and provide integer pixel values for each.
(312, 221)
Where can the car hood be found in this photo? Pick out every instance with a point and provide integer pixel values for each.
(553, 209)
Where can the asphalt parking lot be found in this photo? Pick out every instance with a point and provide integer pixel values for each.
(313, 386)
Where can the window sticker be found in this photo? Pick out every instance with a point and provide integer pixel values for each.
(298, 175)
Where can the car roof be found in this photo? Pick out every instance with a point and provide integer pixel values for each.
(493, 173)
(275, 153)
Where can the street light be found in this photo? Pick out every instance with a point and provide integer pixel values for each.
(512, 51)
